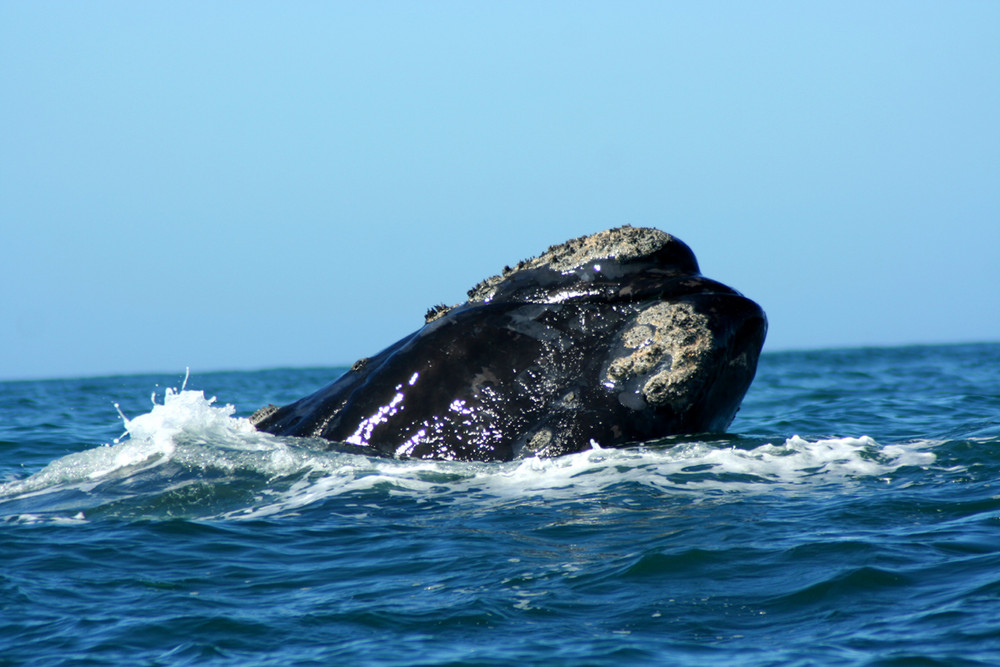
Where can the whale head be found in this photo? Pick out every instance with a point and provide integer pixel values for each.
(611, 338)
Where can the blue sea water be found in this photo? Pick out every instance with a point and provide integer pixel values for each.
(851, 518)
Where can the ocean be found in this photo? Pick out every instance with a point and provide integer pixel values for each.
(851, 517)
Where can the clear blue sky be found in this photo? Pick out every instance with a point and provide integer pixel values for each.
(238, 185)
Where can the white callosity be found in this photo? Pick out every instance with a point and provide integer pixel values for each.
(664, 354)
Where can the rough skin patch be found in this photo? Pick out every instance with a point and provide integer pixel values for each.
(539, 441)
(622, 243)
(263, 413)
(671, 342)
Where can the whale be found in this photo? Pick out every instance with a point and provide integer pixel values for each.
(608, 340)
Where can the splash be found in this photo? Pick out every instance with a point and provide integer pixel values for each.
(189, 457)
(152, 439)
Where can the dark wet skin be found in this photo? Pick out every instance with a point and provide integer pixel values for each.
(551, 358)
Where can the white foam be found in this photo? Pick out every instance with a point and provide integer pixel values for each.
(189, 430)
(706, 465)
(695, 467)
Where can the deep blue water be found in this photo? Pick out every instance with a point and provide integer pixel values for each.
(854, 520)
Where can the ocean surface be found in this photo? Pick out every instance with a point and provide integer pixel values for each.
(852, 517)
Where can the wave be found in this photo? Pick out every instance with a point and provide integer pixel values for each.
(188, 457)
